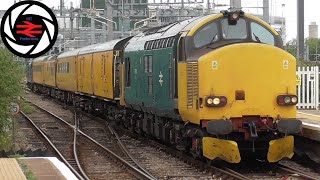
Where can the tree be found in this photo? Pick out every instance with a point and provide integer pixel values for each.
(291, 47)
(314, 48)
(11, 75)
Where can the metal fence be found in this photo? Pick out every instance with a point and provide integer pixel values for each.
(308, 88)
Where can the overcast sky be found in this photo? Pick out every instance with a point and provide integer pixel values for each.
(289, 11)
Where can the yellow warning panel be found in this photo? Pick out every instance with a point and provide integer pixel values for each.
(219, 148)
(298, 80)
(280, 148)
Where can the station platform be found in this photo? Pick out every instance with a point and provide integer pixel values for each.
(10, 169)
(311, 123)
(42, 168)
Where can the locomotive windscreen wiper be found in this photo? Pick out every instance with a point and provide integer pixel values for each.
(212, 40)
(257, 38)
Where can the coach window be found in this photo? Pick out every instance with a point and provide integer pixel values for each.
(128, 71)
(206, 35)
(238, 31)
(261, 34)
(67, 67)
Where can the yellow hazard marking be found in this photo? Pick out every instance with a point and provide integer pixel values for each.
(280, 148)
(219, 148)
(298, 80)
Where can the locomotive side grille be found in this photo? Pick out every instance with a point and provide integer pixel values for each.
(192, 83)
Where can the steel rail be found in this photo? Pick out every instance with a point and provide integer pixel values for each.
(190, 160)
(127, 164)
(52, 146)
(75, 147)
(296, 171)
(124, 149)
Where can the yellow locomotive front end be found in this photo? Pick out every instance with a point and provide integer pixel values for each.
(245, 94)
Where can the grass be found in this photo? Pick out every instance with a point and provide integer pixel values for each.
(25, 107)
(26, 171)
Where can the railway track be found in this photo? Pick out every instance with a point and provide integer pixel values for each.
(64, 137)
(296, 171)
(161, 162)
(137, 147)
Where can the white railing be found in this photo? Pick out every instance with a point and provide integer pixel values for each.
(308, 89)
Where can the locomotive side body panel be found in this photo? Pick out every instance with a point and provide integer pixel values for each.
(151, 75)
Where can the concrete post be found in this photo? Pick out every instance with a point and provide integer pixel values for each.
(300, 28)
(266, 15)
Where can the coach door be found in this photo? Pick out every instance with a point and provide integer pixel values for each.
(116, 83)
(105, 77)
(81, 74)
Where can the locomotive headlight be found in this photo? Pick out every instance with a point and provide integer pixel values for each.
(216, 101)
(235, 16)
(209, 101)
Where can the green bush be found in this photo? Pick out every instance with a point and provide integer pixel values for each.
(11, 75)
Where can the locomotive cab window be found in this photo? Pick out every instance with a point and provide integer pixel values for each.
(206, 35)
(127, 70)
(261, 34)
(237, 31)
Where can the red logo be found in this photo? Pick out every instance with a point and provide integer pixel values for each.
(29, 29)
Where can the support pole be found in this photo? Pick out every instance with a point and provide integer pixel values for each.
(300, 29)
(109, 16)
(71, 21)
(266, 15)
(235, 4)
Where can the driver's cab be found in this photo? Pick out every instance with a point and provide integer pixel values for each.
(228, 28)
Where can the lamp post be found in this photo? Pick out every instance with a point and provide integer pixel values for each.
(282, 24)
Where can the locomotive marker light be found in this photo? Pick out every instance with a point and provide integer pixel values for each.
(287, 100)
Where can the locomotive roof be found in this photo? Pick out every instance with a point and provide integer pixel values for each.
(170, 30)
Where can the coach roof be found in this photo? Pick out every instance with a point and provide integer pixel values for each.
(41, 58)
